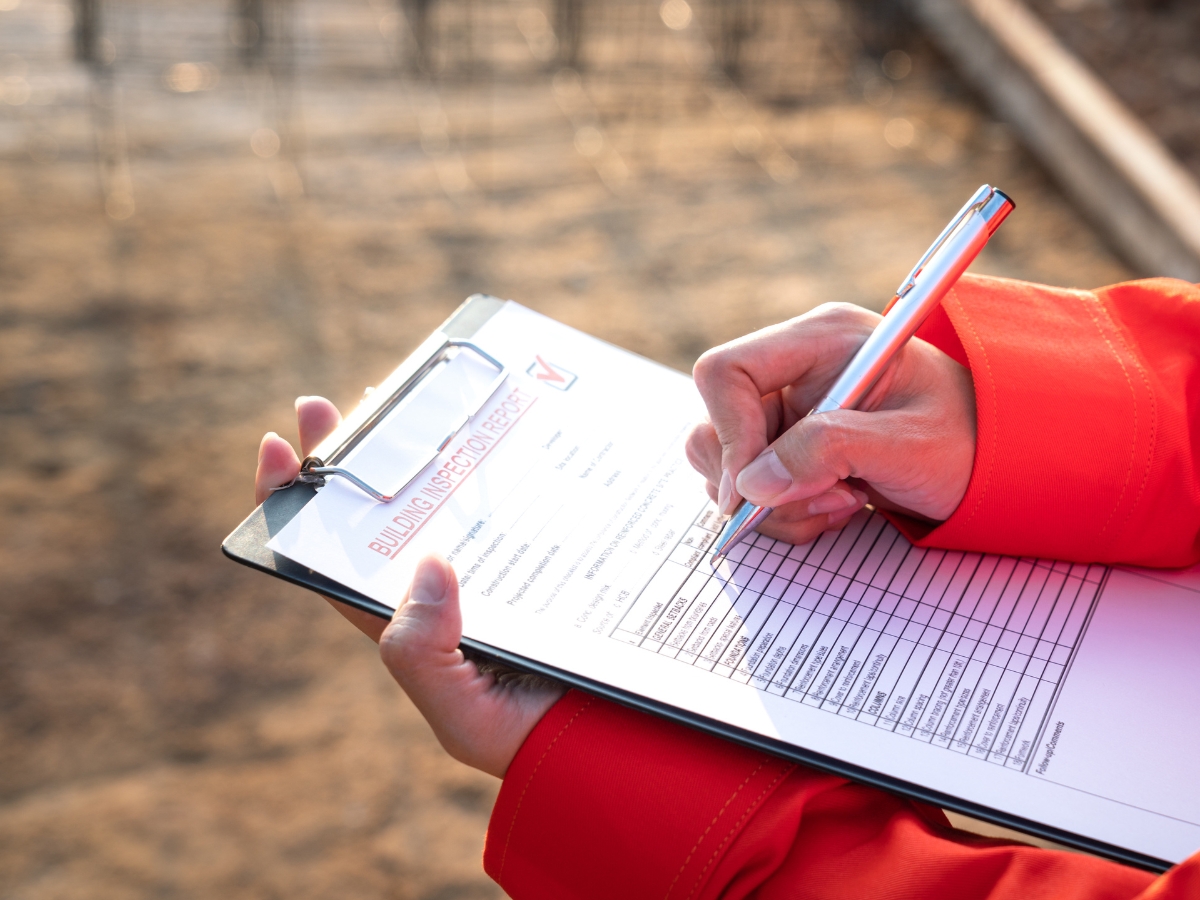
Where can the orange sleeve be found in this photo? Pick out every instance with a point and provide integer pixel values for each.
(605, 802)
(1088, 406)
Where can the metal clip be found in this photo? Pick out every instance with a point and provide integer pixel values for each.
(315, 471)
(977, 201)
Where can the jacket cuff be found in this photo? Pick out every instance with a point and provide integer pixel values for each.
(1064, 425)
(622, 802)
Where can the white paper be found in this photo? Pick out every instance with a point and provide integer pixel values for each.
(1059, 693)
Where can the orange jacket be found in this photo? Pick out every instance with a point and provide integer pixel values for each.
(1087, 402)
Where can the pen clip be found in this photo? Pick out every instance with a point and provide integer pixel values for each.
(977, 201)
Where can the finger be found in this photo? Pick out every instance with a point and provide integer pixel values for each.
(316, 418)
(812, 456)
(704, 451)
(888, 447)
(793, 525)
(420, 648)
(734, 379)
(838, 519)
(277, 465)
(421, 641)
(801, 521)
(477, 717)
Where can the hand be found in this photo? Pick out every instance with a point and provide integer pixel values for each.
(480, 714)
(909, 446)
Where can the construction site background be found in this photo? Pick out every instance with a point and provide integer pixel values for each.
(208, 209)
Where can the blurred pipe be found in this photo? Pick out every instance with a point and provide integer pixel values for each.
(568, 26)
(87, 30)
(737, 20)
(250, 28)
(416, 12)
(1104, 157)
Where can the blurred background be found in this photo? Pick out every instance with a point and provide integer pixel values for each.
(208, 208)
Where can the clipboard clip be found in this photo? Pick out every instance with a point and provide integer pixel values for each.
(315, 470)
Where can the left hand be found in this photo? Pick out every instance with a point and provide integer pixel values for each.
(480, 716)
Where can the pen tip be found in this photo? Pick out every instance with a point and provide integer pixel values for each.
(744, 520)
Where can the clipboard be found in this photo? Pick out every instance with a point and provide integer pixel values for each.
(247, 544)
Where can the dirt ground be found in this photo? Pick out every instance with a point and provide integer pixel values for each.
(184, 251)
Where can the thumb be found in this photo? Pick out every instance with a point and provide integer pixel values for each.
(820, 451)
(425, 631)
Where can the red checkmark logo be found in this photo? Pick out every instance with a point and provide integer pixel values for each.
(550, 374)
(546, 372)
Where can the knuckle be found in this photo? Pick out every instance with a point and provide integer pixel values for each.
(710, 365)
(692, 449)
(824, 437)
(724, 369)
(394, 645)
(699, 442)
(843, 315)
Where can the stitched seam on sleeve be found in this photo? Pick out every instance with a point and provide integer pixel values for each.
(991, 464)
(704, 833)
(1132, 350)
(737, 827)
(513, 822)
(1084, 296)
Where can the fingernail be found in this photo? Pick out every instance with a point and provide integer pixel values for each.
(831, 502)
(764, 478)
(300, 400)
(724, 491)
(861, 497)
(429, 582)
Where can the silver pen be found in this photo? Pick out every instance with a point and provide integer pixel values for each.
(929, 281)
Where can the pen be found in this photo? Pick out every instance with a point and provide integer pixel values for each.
(922, 290)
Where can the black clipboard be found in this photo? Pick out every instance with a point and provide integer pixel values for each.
(247, 544)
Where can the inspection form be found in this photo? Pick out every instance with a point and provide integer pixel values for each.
(1060, 693)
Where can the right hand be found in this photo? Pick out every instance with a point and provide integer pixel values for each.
(481, 715)
(909, 447)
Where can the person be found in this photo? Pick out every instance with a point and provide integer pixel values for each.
(1023, 420)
